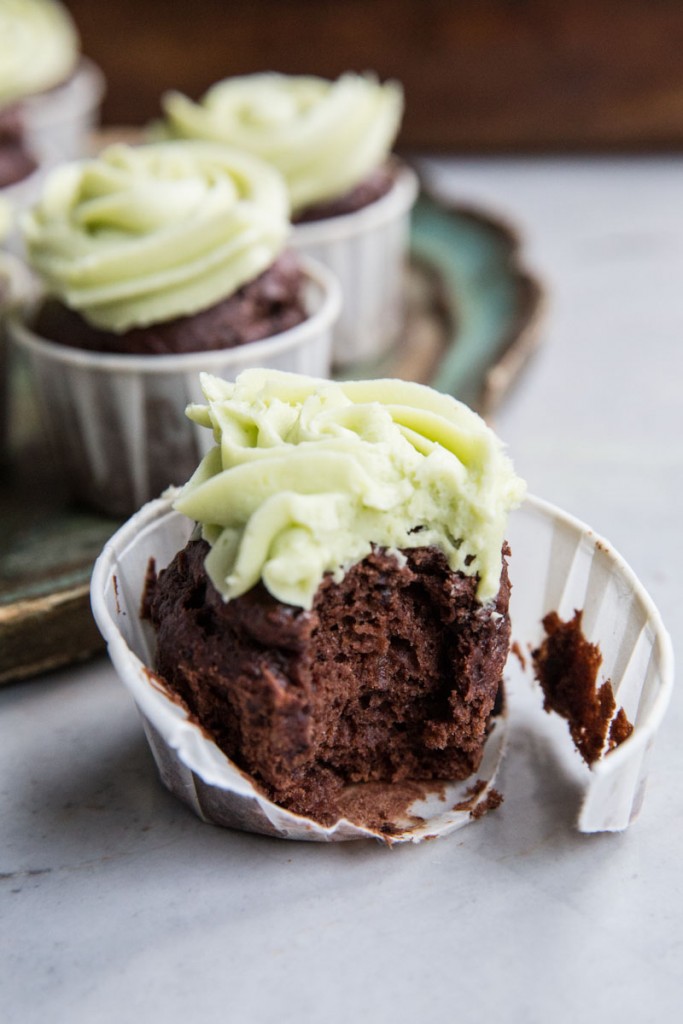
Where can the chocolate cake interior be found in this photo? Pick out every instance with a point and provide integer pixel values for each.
(392, 675)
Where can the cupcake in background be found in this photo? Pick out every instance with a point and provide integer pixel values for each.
(157, 262)
(49, 93)
(350, 198)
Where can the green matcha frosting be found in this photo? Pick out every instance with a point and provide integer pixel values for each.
(306, 475)
(324, 137)
(144, 234)
(39, 47)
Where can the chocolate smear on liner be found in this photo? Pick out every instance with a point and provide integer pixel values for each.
(479, 808)
(519, 655)
(383, 806)
(566, 665)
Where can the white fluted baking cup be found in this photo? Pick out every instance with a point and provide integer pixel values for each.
(366, 250)
(117, 423)
(557, 562)
(59, 122)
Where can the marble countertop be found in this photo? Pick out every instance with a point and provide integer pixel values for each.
(116, 904)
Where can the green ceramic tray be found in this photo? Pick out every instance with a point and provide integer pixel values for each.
(471, 323)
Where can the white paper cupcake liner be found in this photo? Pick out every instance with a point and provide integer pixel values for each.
(117, 424)
(618, 614)
(366, 251)
(58, 122)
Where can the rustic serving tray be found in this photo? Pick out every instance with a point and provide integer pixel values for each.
(471, 322)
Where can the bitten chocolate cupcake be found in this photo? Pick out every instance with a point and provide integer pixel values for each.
(350, 200)
(325, 650)
(158, 261)
(340, 621)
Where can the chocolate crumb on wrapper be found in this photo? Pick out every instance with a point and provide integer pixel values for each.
(566, 666)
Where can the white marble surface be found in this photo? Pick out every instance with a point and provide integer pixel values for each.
(117, 905)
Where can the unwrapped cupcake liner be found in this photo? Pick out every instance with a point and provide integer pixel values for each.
(560, 565)
(557, 562)
(116, 423)
(59, 122)
(366, 251)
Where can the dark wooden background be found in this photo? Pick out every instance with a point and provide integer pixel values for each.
(479, 75)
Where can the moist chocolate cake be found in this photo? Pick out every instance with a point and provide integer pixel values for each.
(266, 306)
(393, 674)
(566, 665)
(368, 191)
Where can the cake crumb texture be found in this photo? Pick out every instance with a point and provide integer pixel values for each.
(566, 665)
(391, 677)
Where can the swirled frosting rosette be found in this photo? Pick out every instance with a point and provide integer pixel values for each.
(307, 475)
(39, 47)
(145, 234)
(324, 137)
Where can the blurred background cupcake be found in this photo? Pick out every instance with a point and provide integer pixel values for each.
(50, 94)
(157, 262)
(351, 200)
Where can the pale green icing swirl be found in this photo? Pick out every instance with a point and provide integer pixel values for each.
(324, 137)
(144, 234)
(307, 475)
(39, 47)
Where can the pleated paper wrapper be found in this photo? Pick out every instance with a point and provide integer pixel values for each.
(366, 251)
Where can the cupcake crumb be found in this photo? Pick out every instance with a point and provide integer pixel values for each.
(566, 665)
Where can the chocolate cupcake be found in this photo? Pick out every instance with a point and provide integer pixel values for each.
(158, 261)
(338, 623)
(51, 92)
(350, 199)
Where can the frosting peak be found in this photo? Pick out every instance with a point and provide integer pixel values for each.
(324, 137)
(144, 234)
(307, 475)
(39, 47)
